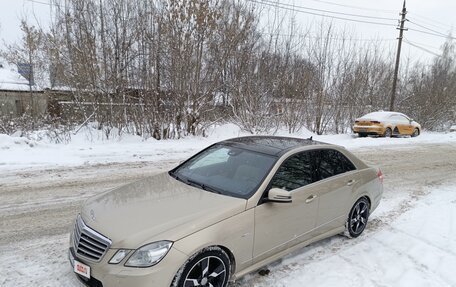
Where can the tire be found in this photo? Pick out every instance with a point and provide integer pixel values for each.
(396, 132)
(357, 218)
(416, 133)
(362, 135)
(210, 267)
(388, 133)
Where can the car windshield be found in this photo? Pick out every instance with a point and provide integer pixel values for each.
(226, 170)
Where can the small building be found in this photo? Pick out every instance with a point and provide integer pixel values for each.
(17, 97)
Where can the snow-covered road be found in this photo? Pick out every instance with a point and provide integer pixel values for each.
(410, 240)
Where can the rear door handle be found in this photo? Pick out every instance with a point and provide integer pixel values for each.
(311, 198)
(351, 182)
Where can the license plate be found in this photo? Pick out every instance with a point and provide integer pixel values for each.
(363, 130)
(81, 269)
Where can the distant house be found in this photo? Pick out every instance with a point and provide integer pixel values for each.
(17, 97)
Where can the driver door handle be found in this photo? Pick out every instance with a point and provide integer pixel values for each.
(311, 198)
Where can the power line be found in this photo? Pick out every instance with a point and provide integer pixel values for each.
(317, 14)
(430, 20)
(348, 39)
(328, 11)
(354, 7)
(422, 26)
(421, 48)
(432, 24)
(433, 34)
(424, 45)
(39, 2)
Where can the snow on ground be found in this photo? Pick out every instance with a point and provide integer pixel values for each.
(416, 248)
(87, 147)
(410, 240)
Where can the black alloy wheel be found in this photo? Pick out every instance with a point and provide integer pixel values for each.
(357, 219)
(209, 268)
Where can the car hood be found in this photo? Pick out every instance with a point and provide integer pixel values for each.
(156, 208)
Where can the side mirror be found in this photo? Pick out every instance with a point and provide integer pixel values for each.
(279, 195)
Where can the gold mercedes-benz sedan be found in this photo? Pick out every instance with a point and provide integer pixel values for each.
(229, 210)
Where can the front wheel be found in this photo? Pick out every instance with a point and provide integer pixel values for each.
(209, 268)
(357, 218)
(416, 133)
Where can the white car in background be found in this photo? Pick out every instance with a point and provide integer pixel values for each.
(386, 124)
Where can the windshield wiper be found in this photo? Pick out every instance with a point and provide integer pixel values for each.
(203, 186)
(173, 174)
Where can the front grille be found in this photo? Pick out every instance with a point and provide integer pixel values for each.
(88, 243)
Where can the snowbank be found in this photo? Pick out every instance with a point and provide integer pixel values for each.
(89, 147)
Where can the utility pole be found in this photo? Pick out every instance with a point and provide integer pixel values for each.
(398, 56)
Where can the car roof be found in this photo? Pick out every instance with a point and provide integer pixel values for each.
(271, 145)
(381, 115)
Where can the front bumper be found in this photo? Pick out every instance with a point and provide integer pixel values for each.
(104, 274)
(92, 282)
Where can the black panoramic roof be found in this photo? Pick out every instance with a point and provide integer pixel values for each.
(271, 145)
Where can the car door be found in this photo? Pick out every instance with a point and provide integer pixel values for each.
(337, 177)
(402, 124)
(407, 125)
(279, 225)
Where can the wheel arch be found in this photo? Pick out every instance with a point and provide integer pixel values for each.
(231, 256)
(388, 126)
(201, 251)
(368, 200)
(224, 248)
(363, 195)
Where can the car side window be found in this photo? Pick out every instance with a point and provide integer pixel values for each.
(399, 118)
(331, 163)
(295, 172)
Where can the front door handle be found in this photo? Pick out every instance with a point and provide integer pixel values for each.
(311, 198)
(351, 182)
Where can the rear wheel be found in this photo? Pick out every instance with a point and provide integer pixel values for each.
(357, 218)
(209, 268)
(416, 132)
(388, 133)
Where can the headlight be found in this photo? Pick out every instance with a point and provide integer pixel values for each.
(149, 255)
(119, 256)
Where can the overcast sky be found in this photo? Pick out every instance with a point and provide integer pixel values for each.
(433, 16)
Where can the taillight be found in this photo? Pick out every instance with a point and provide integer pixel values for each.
(375, 122)
(356, 122)
(380, 175)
